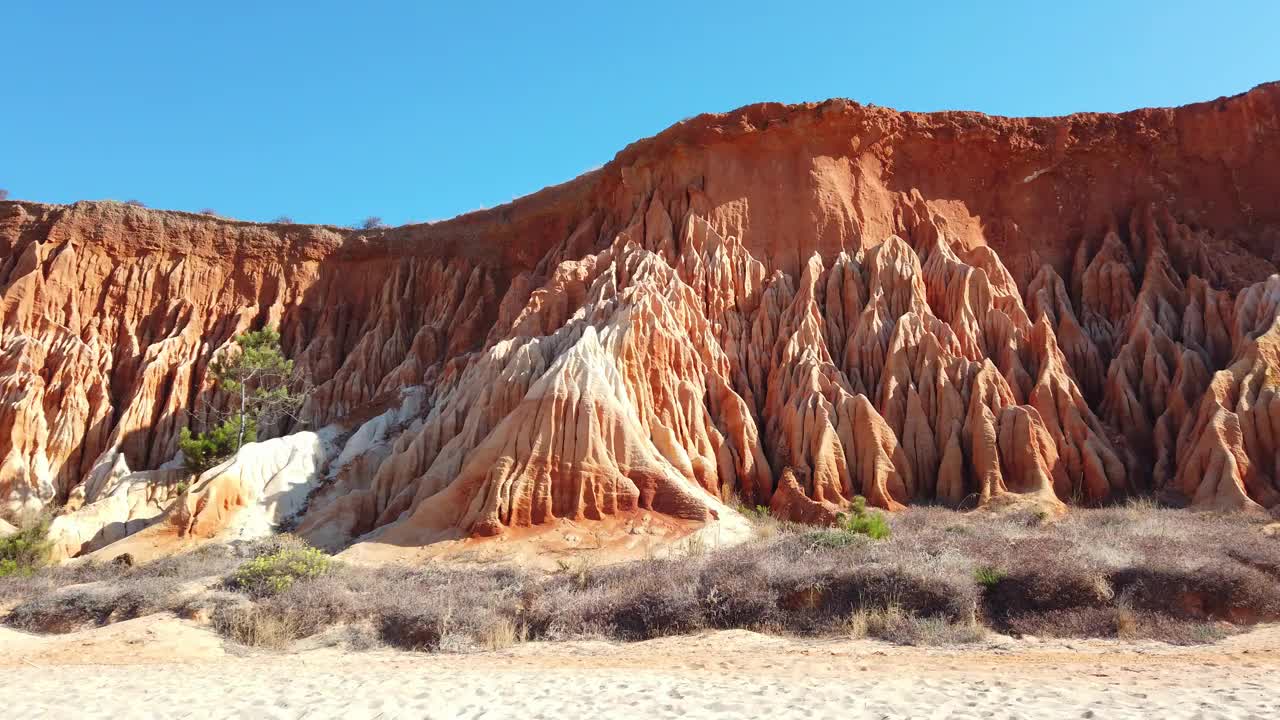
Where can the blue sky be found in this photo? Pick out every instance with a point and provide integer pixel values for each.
(334, 111)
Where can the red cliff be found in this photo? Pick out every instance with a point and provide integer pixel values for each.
(782, 305)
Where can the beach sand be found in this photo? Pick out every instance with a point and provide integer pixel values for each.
(164, 667)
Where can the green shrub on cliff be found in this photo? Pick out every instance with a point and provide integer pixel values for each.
(25, 551)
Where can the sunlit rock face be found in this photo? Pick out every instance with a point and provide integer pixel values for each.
(782, 306)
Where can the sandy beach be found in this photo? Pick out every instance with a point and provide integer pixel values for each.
(163, 667)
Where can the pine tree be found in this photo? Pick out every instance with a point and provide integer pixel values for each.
(257, 377)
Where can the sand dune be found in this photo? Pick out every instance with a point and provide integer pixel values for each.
(163, 667)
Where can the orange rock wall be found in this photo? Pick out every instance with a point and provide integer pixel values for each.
(831, 299)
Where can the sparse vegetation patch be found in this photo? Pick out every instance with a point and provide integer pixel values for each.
(938, 577)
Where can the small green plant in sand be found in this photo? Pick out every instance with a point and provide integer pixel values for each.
(988, 577)
(853, 527)
(272, 574)
(860, 521)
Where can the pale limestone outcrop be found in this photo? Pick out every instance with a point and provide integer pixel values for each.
(127, 505)
(245, 498)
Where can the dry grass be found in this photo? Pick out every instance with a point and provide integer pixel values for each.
(893, 624)
(942, 577)
(1126, 623)
(95, 604)
(72, 597)
(502, 634)
(257, 627)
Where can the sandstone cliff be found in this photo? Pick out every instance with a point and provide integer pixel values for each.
(782, 305)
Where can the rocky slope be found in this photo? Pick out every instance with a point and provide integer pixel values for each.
(784, 306)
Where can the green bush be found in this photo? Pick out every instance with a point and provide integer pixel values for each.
(853, 527)
(202, 451)
(25, 551)
(989, 577)
(861, 522)
(272, 574)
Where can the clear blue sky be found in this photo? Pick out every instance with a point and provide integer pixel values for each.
(333, 111)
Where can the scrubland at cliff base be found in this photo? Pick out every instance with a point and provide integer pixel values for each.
(939, 578)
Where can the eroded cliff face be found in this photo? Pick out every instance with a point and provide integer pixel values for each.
(784, 306)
